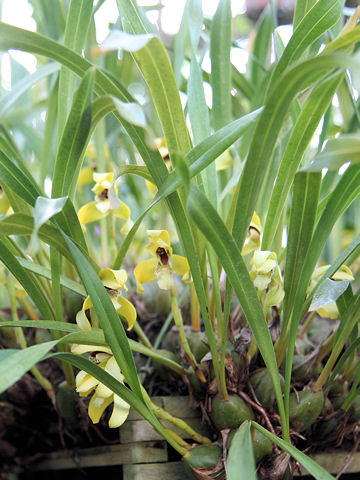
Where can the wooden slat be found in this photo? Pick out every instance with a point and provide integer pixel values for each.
(109, 455)
(157, 471)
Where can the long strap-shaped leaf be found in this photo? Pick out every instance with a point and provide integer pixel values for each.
(302, 222)
(343, 195)
(74, 139)
(155, 65)
(214, 230)
(220, 46)
(77, 25)
(267, 130)
(322, 16)
(27, 280)
(302, 133)
(15, 365)
(311, 466)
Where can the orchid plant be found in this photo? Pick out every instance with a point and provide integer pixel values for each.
(259, 188)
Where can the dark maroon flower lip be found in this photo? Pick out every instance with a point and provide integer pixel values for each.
(164, 259)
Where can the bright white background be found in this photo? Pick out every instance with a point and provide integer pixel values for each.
(18, 13)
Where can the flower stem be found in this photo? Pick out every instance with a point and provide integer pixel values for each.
(308, 323)
(180, 325)
(195, 310)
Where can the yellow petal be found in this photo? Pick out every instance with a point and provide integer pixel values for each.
(85, 383)
(103, 391)
(87, 304)
(97, 406)
(181, 267)
(145, 272)
(120, 412)
(89, 213)
(122, 212)
(344, 273)
(104, 178)
(329, 311)
(113, 368)
(80, 349)
(113, 279)
(161, 236)
(127, 310)
(82, 320)
(85, 176)
(180, 264)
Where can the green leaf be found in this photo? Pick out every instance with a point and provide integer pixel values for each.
(311, 466)
(322, 16)
(262, 46)
(302, 133)
(18, 181)
(15, 365)
(155, 66)
(301, 227)
(45, 208)
(48, 324)
(27, 280)
(77, 25)
(240, 460)
(46, 273)
(138, 170)
(267, 131)
(328, 292)
(220, 46)
(301, 10)
(74, 139)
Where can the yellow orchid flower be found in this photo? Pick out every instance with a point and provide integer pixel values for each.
(106, 201)
(103, 396)
(329, 310)
(114, 281)
(4, 202)
(253, 237)
(163, 264)
(266, 275)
